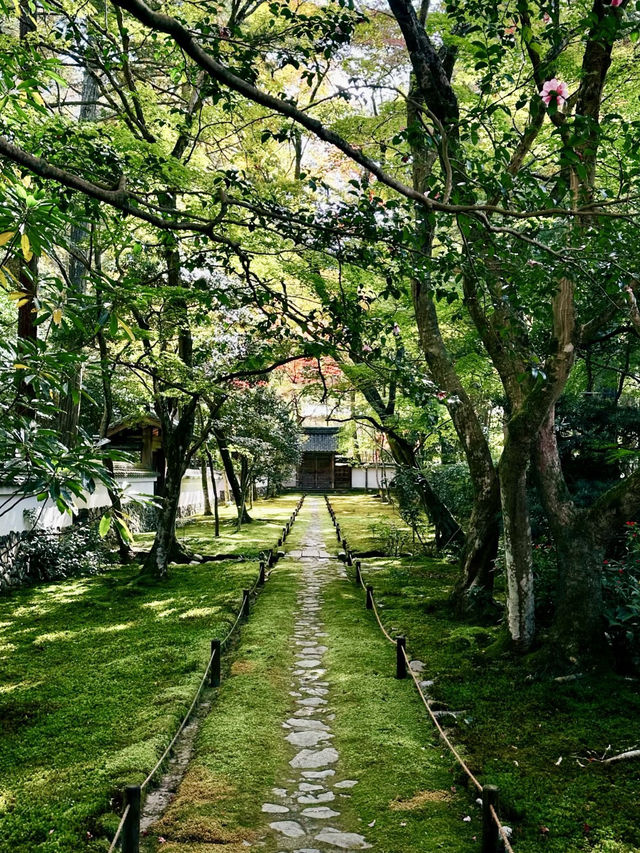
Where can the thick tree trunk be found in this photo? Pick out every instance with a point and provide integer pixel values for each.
(176, 442)
(481, 542)
(229, 470)
(517, 542)
(578, 626)
(480, 551)
(177, 438)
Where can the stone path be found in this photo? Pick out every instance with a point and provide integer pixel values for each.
(306, 808)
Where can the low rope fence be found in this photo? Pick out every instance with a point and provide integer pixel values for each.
(493, 829)
(127, 835)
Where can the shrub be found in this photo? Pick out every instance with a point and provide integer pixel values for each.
(394, 539)
(621, 598)
(51, 555)
(452, 484)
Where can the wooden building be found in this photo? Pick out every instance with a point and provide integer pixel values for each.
(141, 435)
(317, 469)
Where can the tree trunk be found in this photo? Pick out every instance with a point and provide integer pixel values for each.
(177, 438)
(447, 529)
(244, 488)
(71, 399)
(517, 542)
(216, 501)
(176, 441)
(205, 487)
(481, 542)
(125, 552)
(229, 470)
(480, 551)
(578, 626)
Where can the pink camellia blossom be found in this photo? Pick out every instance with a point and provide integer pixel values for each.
(546, 18)
(554, 89)
(616, 3)
(367, 348)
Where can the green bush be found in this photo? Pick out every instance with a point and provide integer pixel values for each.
(394, 539)
(621, 597)
(452, 484)
(54, 555)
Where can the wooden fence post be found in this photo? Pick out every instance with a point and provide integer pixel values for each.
(131, 829)
(214, 673)
(401, 663)
(489, 826)
(369, 597)
(245, 603)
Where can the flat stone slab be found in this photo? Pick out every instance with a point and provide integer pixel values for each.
(307, 786)
(310, 758)
(307, 724)
(320, 813)
(318, 774)
(273, 808)
(346, 783)
(343, 840)
(309, 663)
(316, 799)
(308, 738)
(312, 701)
(290, 828)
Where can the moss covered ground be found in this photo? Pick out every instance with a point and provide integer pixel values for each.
(240, 752)
(197, 532)
(95, 675)
(406, 799)
(534, 737)
(97, 672)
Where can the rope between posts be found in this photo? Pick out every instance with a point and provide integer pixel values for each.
(119, 830)
(166, 752)
(503, 834)
(182, 725)
(441, 731)
(382, 628)
(232, 629)
(494, 815)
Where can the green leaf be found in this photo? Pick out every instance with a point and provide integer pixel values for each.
(105, 525)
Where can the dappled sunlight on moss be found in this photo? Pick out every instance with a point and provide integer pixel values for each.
(54, 636)
(96, 677)
(199, 612)
(113, 629)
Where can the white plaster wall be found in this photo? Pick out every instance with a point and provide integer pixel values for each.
(371, 476)
(16, 514)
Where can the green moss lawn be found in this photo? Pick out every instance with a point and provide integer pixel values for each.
(95, 675)
(532, 736)
(197, 532)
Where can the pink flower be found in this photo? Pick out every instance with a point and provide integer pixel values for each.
(554, 88)
(367, 348)
(546, 18)
(616, 3)
(396, 329)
